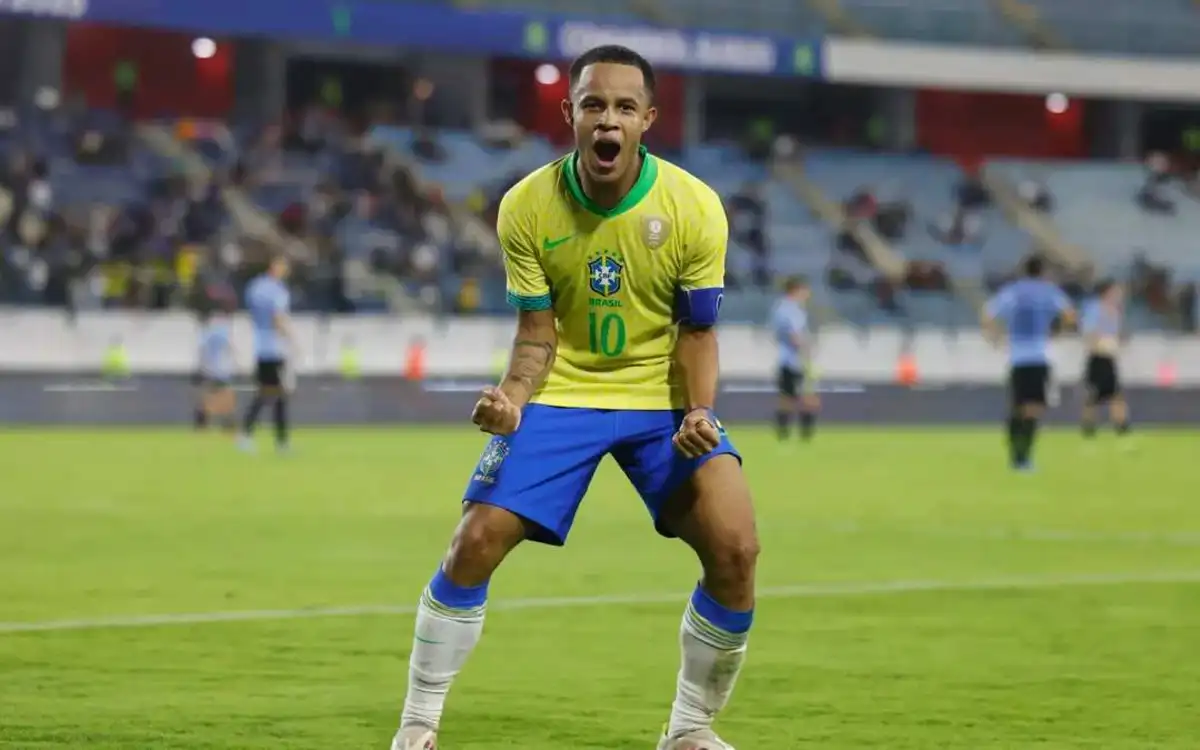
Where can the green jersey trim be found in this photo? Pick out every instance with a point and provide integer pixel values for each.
(641, 188)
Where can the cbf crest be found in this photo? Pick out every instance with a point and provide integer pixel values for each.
(489, 463)
(655, 231)
(606, 272)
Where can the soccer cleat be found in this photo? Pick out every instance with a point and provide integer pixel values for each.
(700, 739)
(415, 738)
(246, 444)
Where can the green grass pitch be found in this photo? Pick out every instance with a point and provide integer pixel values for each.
(916, 595)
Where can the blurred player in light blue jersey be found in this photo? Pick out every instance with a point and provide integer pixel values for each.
(214, 374)
(615, 262)
(789, 325)
(268, 301)
(1101, 329)
(1027, 309)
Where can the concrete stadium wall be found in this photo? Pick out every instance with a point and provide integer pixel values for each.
(45, 399)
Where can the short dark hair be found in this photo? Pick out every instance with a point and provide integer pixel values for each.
(795, 284)
(1104, 286)
(1034, 266)
(617, 55)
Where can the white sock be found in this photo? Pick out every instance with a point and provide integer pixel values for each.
(443, 639)
(712, 660)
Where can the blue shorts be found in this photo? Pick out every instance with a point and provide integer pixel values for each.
(542, 471)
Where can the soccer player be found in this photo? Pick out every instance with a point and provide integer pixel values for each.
(215, 373)
(1101, 329)
(789, 323)
(1027, 308)
(615, 262)
(268, 301)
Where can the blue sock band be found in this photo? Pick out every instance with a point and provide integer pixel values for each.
(720, 616)
(452, 596)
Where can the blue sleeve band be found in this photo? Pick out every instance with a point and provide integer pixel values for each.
(698, 307)
(529, 303)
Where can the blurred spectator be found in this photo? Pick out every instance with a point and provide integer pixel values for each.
(263, 163)
(1151, 284)
(468, 297)
(748, 226)
(501, 134)
(1158, 174)
(125, 81)
(425, 146)
(1035, 194)
(760, 139)
(926, 276)
(424, 262)
(960, 228)
(971, 194)
(786, 149)
(891, 219)
(862, 204)
(40, 194)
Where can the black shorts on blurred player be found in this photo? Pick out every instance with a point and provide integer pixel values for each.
(1028, 384)
(269, 373)
(790, 382)
(1103, 383)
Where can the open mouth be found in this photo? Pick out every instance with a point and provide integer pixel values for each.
(606, 152)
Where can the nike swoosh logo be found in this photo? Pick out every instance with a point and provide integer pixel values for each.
(549, 244)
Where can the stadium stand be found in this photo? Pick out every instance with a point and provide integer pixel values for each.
(976, 22)
(1132, 222)
(102, 212)
(336, 194)
(1158, 27)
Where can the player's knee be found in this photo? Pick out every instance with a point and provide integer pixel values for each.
(484, 536)
(733, 559)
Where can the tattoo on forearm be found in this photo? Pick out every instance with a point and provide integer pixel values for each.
(530, 363)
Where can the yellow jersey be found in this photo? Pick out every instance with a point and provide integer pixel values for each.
(612, 277)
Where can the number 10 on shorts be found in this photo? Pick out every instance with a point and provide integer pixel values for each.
(606, 334)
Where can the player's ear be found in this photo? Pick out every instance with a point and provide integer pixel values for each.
(649, 118)
(568, 110)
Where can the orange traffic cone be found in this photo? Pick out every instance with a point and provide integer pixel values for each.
(1167, 374)
(906, 370)
(414, 361)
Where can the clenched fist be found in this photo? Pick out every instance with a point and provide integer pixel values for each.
(495, 413)
(698, 435)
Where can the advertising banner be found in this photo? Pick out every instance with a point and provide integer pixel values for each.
(444, 27)
(62, 399)
(42, 341)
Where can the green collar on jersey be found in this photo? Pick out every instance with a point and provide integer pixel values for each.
(640, 189)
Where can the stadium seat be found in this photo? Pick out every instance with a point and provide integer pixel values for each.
(1096, 209)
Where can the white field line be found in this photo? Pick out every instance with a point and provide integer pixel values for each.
(800, 591)
(1014, 533)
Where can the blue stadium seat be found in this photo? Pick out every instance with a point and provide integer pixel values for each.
(1096, 209)
(974, 22)
(1156, 27)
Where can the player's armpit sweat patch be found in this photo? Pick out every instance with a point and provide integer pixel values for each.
(698, 307)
